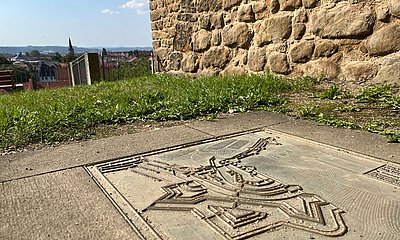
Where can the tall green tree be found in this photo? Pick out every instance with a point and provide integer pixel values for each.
(34, 53)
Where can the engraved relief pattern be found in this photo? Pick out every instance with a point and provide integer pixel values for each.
(234, 199)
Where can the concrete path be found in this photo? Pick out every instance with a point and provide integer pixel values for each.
(48, 194)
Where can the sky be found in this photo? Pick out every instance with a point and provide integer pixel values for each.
(89, 23)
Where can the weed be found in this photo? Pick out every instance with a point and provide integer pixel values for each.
(348, 108)
(331, 93)
(334, 121)
(307, 111)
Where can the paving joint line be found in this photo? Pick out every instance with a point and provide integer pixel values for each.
(150, 152)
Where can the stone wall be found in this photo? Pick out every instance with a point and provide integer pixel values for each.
(355, 40)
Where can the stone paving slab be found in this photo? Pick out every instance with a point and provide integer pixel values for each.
(78, 154)
(358, 141)
(60, 205)
(59, 193)
(239, 123)
(262, 185)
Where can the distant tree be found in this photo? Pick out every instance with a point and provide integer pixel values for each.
(4, 60)
(57, 57)
(27, 54)
(34, 53)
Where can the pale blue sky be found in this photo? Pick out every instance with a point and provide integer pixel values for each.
(90, 23)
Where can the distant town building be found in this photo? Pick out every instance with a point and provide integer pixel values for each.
(71, 51)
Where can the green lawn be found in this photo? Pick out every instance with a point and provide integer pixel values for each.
(49, 116)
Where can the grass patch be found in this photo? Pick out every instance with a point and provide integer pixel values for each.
(50, 116)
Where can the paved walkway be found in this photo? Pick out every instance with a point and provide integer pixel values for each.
(48, 194)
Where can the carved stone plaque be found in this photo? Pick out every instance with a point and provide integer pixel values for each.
(259, 185)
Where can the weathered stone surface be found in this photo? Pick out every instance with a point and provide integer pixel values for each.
(388, 74)
(339, 36)
(343, 21)
(157, 14)
(246, 13)
(162, 53)
(289, 5)
(310, 3)
(301, 52)
(186, 17)
(189, 63)
(217, 20)
(384, 41)
(260, 10)
(231, 3)
(216, 38)
(208, 5)
(257, 58)
(321, 68)
(216, 57)
(175, 60)
(182, 37)
(234, 70)
(238, 35)
(382, 13)
(188, 6)
(204, 22)
(279, 27)
(395, 7)
(201, 40)
(298, 30)
(281, 47)
(274, 6)
(278, 63)
(389, 71)
(325, 48)
(300, 16)
(360, 71)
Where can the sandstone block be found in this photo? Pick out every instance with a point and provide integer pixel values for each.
(175, 60)
(201, 40)
(217, 21)
(360, 71)
(300, 16)
(189, 63)
(208, 5)
(395, 8)
(310, 3)
(382, 13)
(228, 4)
(260, 10)
(182, 37)
(321, 68)
(384, 41)
(216, 57)
(204, 22)
(343, 21)
(325, 48)
(216, 38)
(289, 5)
(279, 27)
(246, 13)
(278, 63)
(233, 70)
(301, 52)
(298, 30)
(388, 74)
(157, 14)
(238, 35)
(257, 59)
(274, 6)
